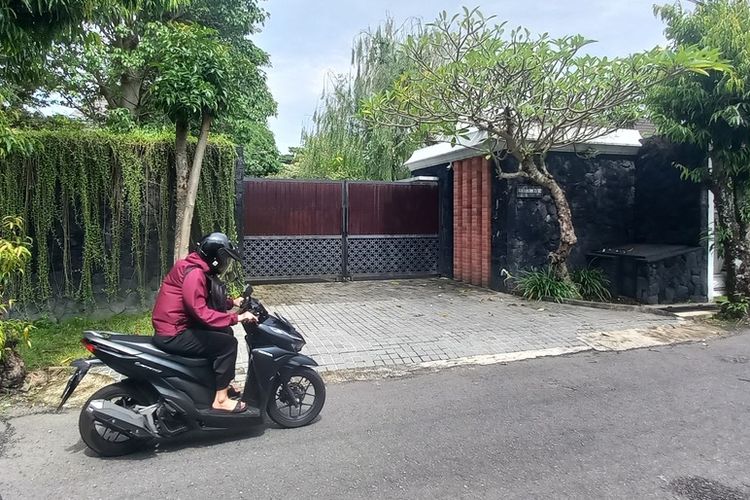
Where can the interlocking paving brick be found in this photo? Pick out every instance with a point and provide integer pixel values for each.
(375, 323)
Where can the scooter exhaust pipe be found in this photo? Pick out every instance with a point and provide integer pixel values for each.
(119, 419)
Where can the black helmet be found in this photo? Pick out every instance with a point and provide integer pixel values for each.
(216, 250)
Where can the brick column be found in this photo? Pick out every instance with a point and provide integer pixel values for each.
(458, 183)
(476, 210)
(466, 222)
(472, 238)
(486, 215)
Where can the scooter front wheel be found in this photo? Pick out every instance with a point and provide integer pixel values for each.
(297, 397)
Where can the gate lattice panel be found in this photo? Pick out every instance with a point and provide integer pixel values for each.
(289, 257)
(415, 255)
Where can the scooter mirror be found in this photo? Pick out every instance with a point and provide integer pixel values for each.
(248, 291)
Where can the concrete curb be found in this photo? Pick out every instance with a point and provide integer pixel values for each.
(625, 340)
(581, 303)
(376, 373)
(615, 307)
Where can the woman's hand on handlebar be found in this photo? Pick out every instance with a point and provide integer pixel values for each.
(247, 317)
(237, 302)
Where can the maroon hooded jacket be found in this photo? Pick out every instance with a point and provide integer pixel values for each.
(181, 303)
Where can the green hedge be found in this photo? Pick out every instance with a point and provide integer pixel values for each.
(105, 185)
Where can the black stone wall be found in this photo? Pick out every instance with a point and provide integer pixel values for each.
(615, 200)
(668, 209)
(676, 280)
(130, 296)
(601, 193)
(674, 211)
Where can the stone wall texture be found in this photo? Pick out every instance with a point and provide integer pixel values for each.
(615, 200)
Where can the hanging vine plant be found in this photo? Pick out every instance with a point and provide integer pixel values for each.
(83, 192)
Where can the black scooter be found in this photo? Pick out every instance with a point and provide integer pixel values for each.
(166, 395)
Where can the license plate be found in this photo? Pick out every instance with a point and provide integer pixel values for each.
(82, 368)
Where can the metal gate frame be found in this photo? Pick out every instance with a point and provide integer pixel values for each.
(340, 257)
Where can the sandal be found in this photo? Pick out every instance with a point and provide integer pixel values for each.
(233, 393)
(238, 408)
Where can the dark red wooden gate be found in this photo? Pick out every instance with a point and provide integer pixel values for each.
(338, 230)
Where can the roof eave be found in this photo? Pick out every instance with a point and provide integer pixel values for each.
(629, 147)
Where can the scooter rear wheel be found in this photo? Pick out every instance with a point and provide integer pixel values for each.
(104, 441)
(309, 393)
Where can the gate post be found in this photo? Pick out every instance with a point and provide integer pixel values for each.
(344, 230)
(239, 186)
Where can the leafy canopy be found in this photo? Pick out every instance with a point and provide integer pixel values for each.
(109, 71)
(192, 69)
(531, 92)
(713, 112)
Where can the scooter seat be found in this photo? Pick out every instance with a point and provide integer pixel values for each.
(144, 344)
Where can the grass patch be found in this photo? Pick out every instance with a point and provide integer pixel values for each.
(592, 284)
(57, 344)
(541, 284)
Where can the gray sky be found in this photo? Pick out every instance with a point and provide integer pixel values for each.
(308, 39)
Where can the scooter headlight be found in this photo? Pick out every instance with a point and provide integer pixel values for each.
(297, 346)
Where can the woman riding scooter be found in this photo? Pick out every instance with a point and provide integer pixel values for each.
(184, 322)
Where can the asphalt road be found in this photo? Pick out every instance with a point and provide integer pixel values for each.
(666, 423)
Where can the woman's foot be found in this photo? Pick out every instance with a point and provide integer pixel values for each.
(223, 402)
(230, 405)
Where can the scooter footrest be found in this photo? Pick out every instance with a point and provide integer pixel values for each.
(251, 411)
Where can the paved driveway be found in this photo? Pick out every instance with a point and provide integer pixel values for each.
(390, 323)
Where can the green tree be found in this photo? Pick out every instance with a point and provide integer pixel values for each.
(27, 29)
(147, 66)
(107, 69)
(106, 66)
(714, 114)
(260, 153)
(525, 94)
(200, 79)
(340, 144)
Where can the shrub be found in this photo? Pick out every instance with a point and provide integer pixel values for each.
(14, 256)
(539, 284)
(592, 284)
(734, 309)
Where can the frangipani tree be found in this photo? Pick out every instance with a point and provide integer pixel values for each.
(527, 94)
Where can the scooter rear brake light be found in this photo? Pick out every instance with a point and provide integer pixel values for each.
(88, 345)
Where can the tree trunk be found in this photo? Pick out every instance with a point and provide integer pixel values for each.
(192, 188)
(741, 269)
(558, 260)
(12, 369)
(130, 87)
(735, 238)
(181, 186)
(742, 248)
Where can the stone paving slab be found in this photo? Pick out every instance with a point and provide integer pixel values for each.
(395, 323)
